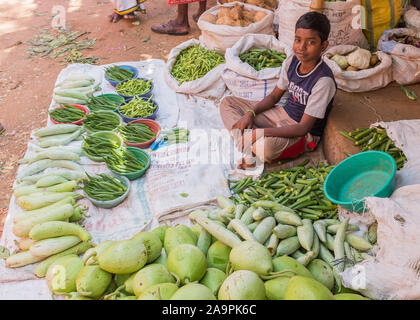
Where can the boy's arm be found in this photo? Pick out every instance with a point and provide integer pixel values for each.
(321, 95)
(267, 103)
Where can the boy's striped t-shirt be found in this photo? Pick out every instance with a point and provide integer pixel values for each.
(311, 93)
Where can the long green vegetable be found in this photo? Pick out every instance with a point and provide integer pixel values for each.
(138, 108)
(101, 121)
(263, 58)
(103, 187)
(123, 161)
(98, 147)
(103, 103)
(116, 73)
(134, 87)
(136, 133)
(176, 135)
(67, 114)
(195, 62)
(376, 138)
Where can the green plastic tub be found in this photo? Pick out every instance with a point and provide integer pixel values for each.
(104, 134)
(366, 174)
(142, 156)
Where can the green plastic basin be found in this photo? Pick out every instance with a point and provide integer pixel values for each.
(366, 174)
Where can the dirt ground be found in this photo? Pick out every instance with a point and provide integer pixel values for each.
(26, 84)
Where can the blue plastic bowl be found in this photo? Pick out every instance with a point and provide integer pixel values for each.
(366, 174)
(144, 95)
(128, 119)
(115, 83)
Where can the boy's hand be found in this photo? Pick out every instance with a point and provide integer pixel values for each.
(246, 122)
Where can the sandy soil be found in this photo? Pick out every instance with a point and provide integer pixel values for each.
(26, 83)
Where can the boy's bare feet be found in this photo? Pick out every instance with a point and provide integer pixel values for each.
(243, 165)
(171, 27)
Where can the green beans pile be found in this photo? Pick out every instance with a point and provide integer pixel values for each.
(103, 103)
(97, 146)
(376, 139)
(100, 121)
(195, 62)
(176, 135)
(136, 133)
(103, 187)
(116, 73)
(123, 161)
(138, 108)
(67, 114)
(134, 87)
(298, 188)
(263, 58)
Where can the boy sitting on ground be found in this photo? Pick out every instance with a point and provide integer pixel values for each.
(311, 87)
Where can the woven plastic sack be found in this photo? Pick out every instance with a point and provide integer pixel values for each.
(210, 86)
(343, 15)
(405, 58)
(220, 37)
(362, 80)
(241, 78)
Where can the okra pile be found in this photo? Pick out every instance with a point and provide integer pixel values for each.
(101, 121)
(67, 114)
(194, 63)
(98, 146)
(134, 87)
(176, 135)
(376, 138)
(123, 161)
(136, 133)
(298, 188)
(138, 108)
(263, 58)
(116, 73)
(104, 103)
(103, 187)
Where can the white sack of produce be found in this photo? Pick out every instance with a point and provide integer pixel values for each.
(241, 78)
(345, 61)
(393, 274)
(223, 25)
(266, 4)
(344, 17)
(404, 47)
(412, 19)
(211, 85)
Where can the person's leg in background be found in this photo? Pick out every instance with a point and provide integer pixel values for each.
(180, 25)
(126, 9)
(177, 26)
(202, 6)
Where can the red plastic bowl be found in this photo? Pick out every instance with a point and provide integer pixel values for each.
(153, 125)
(78, 122)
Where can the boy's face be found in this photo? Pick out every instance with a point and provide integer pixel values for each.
(307, 45)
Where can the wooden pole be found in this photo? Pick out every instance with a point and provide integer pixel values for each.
(317, 5)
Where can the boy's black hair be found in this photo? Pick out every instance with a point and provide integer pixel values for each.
(315, 21)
